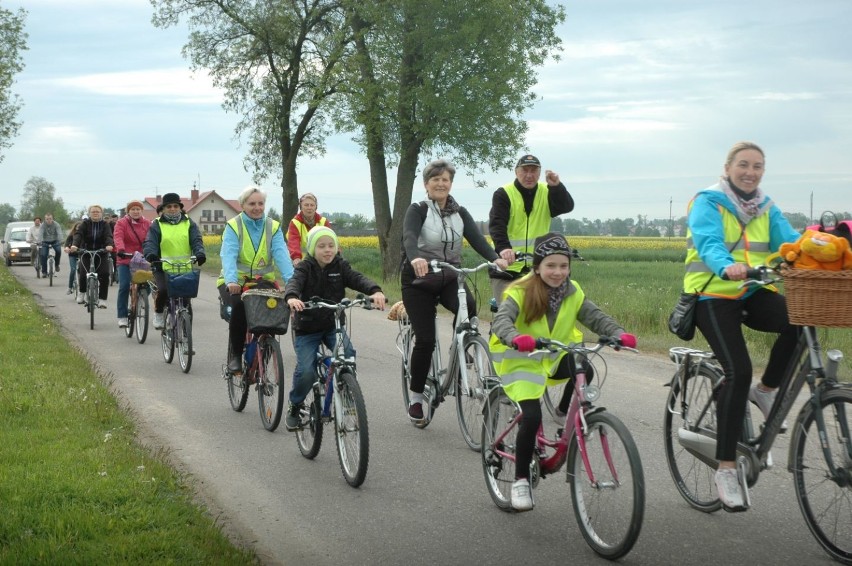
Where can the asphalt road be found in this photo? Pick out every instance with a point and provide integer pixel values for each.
(424, 499)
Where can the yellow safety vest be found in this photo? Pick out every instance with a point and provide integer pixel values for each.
(522, 229)
(752, 249)
(174, 245)
(252, 262)
(526, 377)
(303, 231)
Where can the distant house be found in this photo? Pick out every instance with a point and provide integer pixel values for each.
(209, 210)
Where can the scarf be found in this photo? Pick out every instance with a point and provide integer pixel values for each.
(555, 296)
(173, 218)
(748, 205)
(451, 207)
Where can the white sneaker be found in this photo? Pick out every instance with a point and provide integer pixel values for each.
(764, 401)
(102, 304)
(159, 320)
(122, 322)
(728, 486)
(522, 495)
(80, 299)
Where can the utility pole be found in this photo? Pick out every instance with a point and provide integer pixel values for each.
(671, 218)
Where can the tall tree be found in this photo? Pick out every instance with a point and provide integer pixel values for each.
(431, 78)
(7, 213)
(39, 199)
(13, 40)
(278, 63)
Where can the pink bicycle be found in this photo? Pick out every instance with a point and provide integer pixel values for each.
(603, 470)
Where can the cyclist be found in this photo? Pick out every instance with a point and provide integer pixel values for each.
(520, 212)
(72, 257)
(305, 219)
(34, 240)
(545, 303)
(433, 229)
(129, 235)
(253, 246)
(324, 274)
(51, 234)
(93, 233)
(735, 213)
(174, 237)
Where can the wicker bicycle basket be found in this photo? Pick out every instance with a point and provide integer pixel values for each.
(819, 298)
(266, 311)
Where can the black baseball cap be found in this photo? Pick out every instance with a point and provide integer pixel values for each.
(528, 160)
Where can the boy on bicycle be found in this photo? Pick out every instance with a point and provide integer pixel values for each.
(544, 303)
(324, 274)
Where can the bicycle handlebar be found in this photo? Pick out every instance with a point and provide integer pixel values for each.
(360, 299)
(436, 266)
(551, 345)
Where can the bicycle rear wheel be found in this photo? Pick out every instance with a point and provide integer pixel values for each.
(131, 311)
(350, 426)
(471, 389)
(238, 389)
(693, 478)
(405, 372)
(167, 338)
(498, 460)
(141, 315)
(270, 378)
(184, 340)
(309, 437)
(824, 488)
(610, 509)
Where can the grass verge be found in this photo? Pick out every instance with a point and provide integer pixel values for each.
(75, 486)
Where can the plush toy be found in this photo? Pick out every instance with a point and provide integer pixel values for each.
(818, 250)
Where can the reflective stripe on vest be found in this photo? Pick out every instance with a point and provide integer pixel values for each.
(523, 229)
(174, 245)
(524, 376)
(261, 264)
(752, 249)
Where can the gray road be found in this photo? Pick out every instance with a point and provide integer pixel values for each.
(424, 499)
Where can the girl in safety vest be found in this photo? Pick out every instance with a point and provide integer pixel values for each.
(545, 303)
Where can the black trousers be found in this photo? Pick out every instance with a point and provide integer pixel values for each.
(721, 322)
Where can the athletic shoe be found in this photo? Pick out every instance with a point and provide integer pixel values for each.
(293, 420)
(122, 322)
(56, 270)
(159, 320)
(728, 486)
(522, 495)
(69, 292)
(764, 401)
(102, 304)
(415, 412)
(81, 299)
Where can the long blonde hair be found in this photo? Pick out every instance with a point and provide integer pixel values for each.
(536, 294)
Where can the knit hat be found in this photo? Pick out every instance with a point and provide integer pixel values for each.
(133, 203)
(317, 232)
(549, 244)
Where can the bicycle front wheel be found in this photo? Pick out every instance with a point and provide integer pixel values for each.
(238, 389)
(693, 478)
(141, 316)
(609, 505)
(498, 458)
(50, 270)
(309, 437)
(823, 487)
(133, 292)
(92, 294)
(471, 384)
(270, 378)
(405, 366)
(350, 427)
(184, 340)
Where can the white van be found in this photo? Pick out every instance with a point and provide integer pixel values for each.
(15, 246)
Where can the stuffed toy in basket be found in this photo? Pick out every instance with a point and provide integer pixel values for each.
(140, 269)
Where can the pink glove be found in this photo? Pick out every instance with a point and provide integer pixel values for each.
(627, 340)
(524, 343)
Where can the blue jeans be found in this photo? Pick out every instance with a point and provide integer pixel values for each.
(42, 254)
(123, 289)
(72, 261)
(306, 355)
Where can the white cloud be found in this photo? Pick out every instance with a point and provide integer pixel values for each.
(786, 96)
(175, 85)
(56, 138)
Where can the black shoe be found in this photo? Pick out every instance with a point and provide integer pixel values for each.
(235, 365)
(38, 275)
(293, 420)
(415, 412)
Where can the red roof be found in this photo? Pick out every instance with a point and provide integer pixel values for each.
(188, 203)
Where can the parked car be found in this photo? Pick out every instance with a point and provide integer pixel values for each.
(15, 246)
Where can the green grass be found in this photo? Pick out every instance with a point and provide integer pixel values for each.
(75, 486)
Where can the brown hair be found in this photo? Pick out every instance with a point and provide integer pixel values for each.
(740, 146)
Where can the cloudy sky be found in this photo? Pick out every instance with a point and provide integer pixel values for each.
(636, 116)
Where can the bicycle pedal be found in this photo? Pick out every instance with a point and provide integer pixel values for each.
(741, 477)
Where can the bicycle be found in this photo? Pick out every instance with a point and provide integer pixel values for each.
(467, 371)
(336, 397)
(142, 287)
(262, 357)
(92, 281)
(820, 456)
(51, 261)
(182, 285)
(603, 469)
